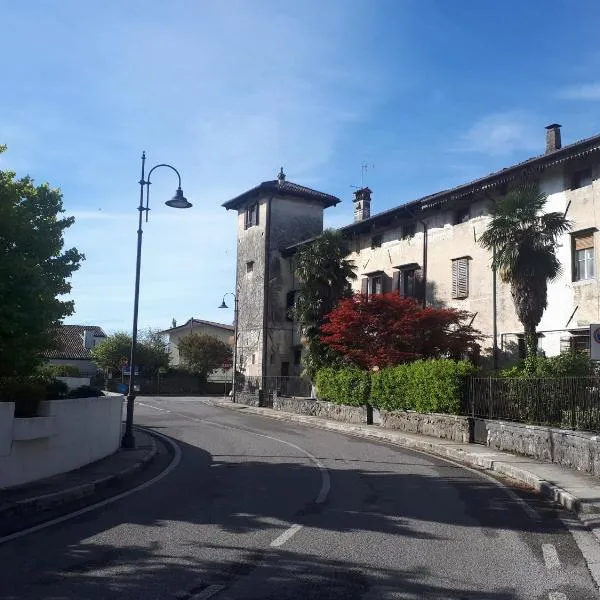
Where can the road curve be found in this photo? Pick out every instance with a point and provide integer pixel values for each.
(259, 509)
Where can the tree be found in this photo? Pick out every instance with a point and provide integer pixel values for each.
(34, 271)
(202, 354)
(114, 351)
(383, 330)
(325, 276)
(524, 239)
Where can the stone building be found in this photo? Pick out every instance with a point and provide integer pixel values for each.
(427, 248)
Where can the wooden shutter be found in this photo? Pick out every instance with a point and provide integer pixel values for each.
(386, 283)
(460, 278)
(419, 285)
(396, 279)
(256, 209)
(584, 241)
(364, 286)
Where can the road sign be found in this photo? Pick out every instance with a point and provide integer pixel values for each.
(127, 371)
(595, 341)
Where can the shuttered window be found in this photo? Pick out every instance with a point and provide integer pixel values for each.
(251, 218)
(460, 278)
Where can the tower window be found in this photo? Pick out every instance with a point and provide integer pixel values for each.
(250, 266)
(251, 218)
(376, 241)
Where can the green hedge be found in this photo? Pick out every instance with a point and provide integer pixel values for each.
(424, 386)
(349, 385)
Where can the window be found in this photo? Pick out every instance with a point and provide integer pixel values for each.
(408, 231)
(253, 359)
(373, 284)
(297, 356)
(575, 341)
(581, 179)
(409, 283)
(583, 255)
(290, 302)
(406, 280)
(462, 215)
(376, 241)
(460, 277)
(251, 218)
(250, 266)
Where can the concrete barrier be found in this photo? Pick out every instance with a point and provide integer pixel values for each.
(66, 435)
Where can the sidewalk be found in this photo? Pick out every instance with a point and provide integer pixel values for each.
(45, 494)
(575, 491)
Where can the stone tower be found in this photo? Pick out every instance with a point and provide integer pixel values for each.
(271, 218)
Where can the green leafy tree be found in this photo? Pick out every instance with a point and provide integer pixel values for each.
(524, 239)
(202, 354)
(114, 351)
(325, 276)
(34, 271)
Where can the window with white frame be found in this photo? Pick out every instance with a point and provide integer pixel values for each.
(583, 256)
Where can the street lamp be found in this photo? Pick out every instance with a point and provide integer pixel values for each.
(178, 201)
(235, 329)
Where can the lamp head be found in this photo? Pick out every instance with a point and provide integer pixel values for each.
(223, 305)
(178, 200)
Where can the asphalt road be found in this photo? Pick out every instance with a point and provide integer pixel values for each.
(259, 509)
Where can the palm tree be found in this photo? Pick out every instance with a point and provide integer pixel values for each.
(524, 240)
(325, 275)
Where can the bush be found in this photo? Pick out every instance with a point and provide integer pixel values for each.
(85, 391)
(56, 389)
(348, 385)
(52, 371)
(569, 364)
(425, 386)
(26, 393)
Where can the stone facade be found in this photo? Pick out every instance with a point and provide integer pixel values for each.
(319, 408)
(574, 449)
(446, 427)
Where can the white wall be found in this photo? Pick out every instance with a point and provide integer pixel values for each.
(68, 434)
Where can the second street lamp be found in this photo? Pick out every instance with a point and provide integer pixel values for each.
(235, 330)
(178, 201)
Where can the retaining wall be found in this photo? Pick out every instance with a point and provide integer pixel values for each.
(319, 408)
(575, 449)
(66, 435)
(446, 427)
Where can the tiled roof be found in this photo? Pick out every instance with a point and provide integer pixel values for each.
(282, 188)
(69, 342)
(189, 324)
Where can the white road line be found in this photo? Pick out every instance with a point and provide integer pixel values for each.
(208, 592)
(285, 536)
(550, 556)
(82, 511)
(154, 407)
(557, 596)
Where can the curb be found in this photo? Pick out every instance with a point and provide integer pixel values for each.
(38, 504)
(587, 513)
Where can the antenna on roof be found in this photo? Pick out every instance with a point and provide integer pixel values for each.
(363, 170)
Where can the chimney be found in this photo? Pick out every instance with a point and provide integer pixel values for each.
(281, 177)
(88, 339)
(362, 204)
(553, 141)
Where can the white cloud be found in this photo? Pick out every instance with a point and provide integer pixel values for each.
(501, 134)
(584, 91)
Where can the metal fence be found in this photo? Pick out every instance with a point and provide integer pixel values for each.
(565, 402)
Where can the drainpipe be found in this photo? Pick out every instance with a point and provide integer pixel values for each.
(494, 313)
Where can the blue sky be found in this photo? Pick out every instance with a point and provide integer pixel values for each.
(432, 93)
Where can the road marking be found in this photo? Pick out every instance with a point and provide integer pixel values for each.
(550, 556)
(154, 407)
(325, 479)
(82, 511)
(285, 536)
(208, 592)
(557, 596)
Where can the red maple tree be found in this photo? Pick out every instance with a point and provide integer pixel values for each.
(387, 329)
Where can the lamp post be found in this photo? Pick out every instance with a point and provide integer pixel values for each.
(235, 330)
(178, 201)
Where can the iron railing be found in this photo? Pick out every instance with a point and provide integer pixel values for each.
(565, 402)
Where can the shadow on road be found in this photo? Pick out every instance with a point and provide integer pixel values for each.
(241, 495)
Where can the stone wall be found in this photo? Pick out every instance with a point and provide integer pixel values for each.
(574, 449)
(319, 408)
(446, 427)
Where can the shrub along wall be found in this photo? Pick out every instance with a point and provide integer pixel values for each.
(424, 386)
